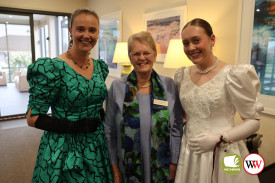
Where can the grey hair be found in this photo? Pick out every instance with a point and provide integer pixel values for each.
(142, 37)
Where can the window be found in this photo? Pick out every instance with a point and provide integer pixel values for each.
(256, 46)
(44, 41)
(63, 34)
(263, 45)
(16, 44)
(26, 35)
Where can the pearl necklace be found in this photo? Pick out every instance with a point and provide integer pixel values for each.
(144, 86)
(75, 62)
(207, 70)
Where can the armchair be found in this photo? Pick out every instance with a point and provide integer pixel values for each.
(3, 78)
(20, 80)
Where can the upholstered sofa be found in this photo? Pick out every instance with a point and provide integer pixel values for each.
(3, 78)
(20, 80)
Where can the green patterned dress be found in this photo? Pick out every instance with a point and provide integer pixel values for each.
(81, 157)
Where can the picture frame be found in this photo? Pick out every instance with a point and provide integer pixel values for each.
(110, 32)
(165, 25)
(244, 48)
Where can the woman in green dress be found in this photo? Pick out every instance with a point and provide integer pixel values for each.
(73, 146)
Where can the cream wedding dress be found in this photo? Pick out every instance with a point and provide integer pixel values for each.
(211, 108)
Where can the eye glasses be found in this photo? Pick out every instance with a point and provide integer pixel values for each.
(138, 55)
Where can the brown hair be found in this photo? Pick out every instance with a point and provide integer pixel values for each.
(142, 37)
(201, 23)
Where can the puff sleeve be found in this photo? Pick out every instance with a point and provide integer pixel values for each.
(44, 79)
(243, 86)
(178, 77)
(103, 67)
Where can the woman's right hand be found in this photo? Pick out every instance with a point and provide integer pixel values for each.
(31, 120)
(116, 174)
(203, 143)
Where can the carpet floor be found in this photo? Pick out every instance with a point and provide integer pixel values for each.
(18, 150)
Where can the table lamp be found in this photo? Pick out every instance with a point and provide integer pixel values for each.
(121, 56)
(175, 56)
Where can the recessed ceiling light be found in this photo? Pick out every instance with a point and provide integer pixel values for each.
(258, 9)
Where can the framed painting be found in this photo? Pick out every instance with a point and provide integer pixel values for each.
(165, 25)
(110, 32)
(257, 46)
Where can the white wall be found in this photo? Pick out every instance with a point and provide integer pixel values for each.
(222, 15)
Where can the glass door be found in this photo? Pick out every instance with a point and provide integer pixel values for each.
(15, 56)
(15, 44)
(23, 39)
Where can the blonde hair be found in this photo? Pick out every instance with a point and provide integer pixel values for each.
(83, 11)
(142, 37)
(78, 12)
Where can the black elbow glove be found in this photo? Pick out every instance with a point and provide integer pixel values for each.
(102, 114)
(51, 124)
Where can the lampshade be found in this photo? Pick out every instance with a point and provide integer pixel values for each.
(175, 56)
(121, 56)
(121, 53)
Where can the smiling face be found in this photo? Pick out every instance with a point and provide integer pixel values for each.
(84, 32)
(197, 44)
(142, 57)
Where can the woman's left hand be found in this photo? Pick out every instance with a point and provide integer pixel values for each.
(203, 143)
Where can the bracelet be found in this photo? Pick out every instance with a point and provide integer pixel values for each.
(224, 142)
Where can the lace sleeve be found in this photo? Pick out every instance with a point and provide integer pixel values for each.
(178, 77)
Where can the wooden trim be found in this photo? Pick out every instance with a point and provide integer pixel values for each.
(18, 10)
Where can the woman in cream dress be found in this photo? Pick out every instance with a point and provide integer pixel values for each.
(211, 92)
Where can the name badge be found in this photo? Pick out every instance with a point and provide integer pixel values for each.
(160, 102)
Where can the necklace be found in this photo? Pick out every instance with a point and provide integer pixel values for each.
(144, 86)
(207, 70)
(75, 62)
